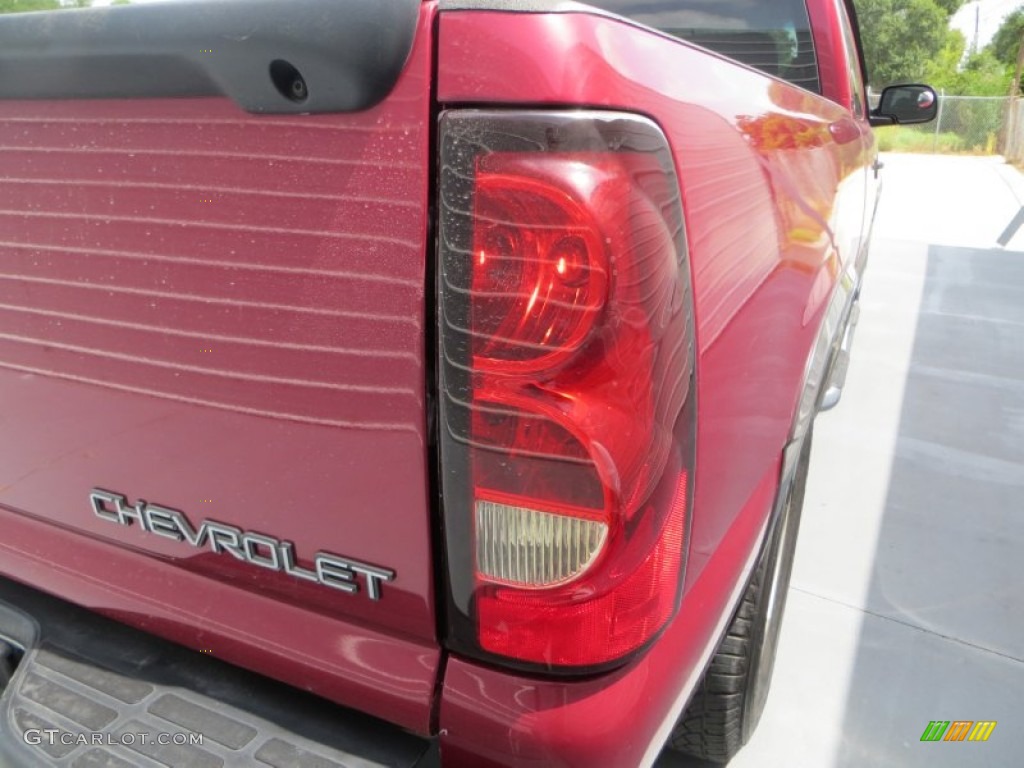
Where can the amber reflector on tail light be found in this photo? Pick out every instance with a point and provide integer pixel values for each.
(566, 361)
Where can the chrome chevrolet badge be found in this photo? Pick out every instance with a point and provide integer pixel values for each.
(330, 570)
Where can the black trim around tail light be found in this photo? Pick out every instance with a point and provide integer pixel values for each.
(567, 386)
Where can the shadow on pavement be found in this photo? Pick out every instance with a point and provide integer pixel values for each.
(942, 635)
(943, 638)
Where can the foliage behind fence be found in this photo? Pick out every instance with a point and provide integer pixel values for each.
(965, 124)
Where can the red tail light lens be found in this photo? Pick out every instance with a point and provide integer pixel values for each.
(566, 385)
(539, 279)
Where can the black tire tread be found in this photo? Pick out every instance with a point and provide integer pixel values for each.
(729, 700)
(711, 728)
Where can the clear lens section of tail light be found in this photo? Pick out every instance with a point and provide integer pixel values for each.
(531, 548)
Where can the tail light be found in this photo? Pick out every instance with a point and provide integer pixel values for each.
(567, 388)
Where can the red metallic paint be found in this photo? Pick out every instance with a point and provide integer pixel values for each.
(829, 50)
(142, 234)
(224, 313)
(773, 189)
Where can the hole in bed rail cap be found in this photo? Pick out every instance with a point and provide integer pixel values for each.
(288, 80)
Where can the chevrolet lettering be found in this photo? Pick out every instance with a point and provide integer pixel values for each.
(330, 570)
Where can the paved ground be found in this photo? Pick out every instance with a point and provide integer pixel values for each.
(907, 600)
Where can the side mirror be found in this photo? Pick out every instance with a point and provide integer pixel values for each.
(906, 105)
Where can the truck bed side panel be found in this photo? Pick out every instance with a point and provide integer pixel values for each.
(773, 215)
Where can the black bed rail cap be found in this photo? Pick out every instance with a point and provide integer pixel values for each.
(269, 56)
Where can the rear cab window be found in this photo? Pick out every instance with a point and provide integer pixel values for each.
(774, 37)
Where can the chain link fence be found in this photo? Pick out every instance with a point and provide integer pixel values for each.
(964, 125)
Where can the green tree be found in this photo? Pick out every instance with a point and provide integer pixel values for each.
(20, 6)
(944, 65)
(982, 75)
(17, 6)
(1007, 38)
(902, 38)
(949, 6)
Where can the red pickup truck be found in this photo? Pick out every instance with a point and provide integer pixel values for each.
(387, 382)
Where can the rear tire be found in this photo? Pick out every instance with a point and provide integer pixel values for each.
(725, 709)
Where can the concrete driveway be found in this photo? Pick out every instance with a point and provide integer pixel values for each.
(907, 599)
